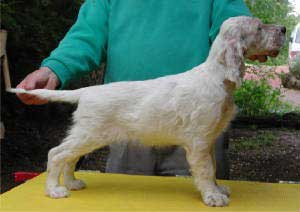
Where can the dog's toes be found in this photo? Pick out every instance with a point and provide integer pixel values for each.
(224, 190)
(75, 185)
(216, 199)
(57, 192)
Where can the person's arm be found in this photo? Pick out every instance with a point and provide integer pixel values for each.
(83, 47)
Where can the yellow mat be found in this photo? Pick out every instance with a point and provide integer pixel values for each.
(113, 192)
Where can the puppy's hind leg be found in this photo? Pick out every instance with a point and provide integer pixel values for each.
(69, 179)
(54, 167)
(79, 142)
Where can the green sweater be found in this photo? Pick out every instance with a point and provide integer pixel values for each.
(140, 39)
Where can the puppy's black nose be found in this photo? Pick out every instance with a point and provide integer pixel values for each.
(283, 30)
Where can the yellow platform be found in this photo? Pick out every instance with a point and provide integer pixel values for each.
(113, 192)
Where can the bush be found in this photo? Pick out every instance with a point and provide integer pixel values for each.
(258, 98)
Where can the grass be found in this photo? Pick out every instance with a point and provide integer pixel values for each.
(263, 139)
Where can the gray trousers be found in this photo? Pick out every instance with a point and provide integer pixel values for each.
(137, 159)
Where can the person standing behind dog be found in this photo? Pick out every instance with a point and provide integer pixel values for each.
(140, 40)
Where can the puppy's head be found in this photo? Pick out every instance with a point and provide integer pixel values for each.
(246, 37)
(253, 37)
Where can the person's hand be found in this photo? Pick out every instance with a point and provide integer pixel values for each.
(42, 78)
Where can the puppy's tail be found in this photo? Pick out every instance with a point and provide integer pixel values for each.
(70, 96)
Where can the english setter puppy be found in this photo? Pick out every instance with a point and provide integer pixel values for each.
(190, 109)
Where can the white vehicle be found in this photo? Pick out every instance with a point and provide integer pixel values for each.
(294, 45)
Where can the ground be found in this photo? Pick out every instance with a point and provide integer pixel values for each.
(269, 155)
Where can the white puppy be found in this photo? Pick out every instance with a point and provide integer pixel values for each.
(190, 109)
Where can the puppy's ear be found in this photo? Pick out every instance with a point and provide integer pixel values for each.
(232, 57)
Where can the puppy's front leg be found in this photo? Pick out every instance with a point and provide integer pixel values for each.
(202, 168)
(224, 189)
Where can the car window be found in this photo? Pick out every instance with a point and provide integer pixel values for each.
(297, 40)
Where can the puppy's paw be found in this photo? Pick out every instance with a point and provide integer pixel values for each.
(57, 192)
(75, 185)
(215, 199)
(224, 190)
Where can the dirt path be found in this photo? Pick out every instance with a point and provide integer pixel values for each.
(270, 155)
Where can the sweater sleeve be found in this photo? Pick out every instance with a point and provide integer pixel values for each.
(84, 45)
(224, 9)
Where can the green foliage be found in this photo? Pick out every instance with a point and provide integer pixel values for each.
(263, 139)
(37, 24)
(275, 12)
(258, 98)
